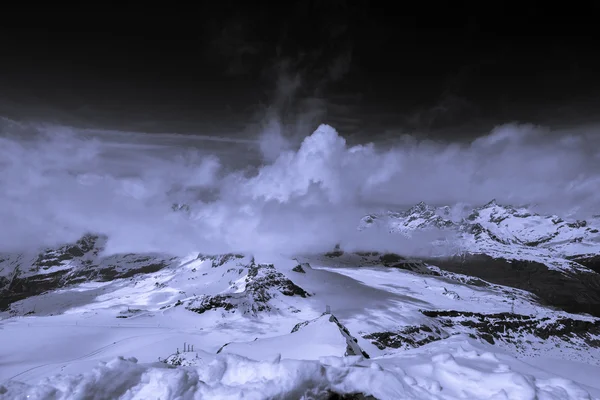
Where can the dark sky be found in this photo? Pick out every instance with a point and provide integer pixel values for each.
(365, 66)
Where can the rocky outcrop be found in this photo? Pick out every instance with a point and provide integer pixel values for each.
(351, 396)
(406, 338)
(352, 348)
(591, 261)
(299, 268)
(262, 283)
(220, 260)
(392, 260)
(509, 327)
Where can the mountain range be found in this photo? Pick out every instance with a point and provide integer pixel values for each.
(497, 304)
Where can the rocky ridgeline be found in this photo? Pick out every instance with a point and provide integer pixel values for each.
(262, 284)
(520, 332)
(352, 347)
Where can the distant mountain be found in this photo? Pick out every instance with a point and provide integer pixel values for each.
(24, 275)
(512, 233)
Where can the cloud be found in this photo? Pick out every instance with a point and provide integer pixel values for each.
(58, 183)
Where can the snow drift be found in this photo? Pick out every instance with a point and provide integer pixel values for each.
(458, 369)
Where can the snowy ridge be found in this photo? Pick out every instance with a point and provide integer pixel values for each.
(320, 337)
(498, 231)
(254, 292)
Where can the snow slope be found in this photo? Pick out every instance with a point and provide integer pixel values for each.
(258, 327)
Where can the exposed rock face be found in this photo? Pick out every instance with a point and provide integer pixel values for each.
(262, 283)
(353, 396)
(299, 268)
(56, 257)
(393, 260)
(220, 260)
(206, 303)
(407, 338)
(591, 261)
(262, 277)
(509, 329)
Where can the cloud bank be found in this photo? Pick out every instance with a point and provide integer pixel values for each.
(58, 183)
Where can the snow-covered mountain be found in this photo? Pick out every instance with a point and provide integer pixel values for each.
(513, 233)
(555, 259)
(28, 274)
(511, 312)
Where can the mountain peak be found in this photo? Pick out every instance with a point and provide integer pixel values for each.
(491, 203)
(418, 208)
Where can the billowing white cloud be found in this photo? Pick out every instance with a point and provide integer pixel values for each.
(58, 183)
